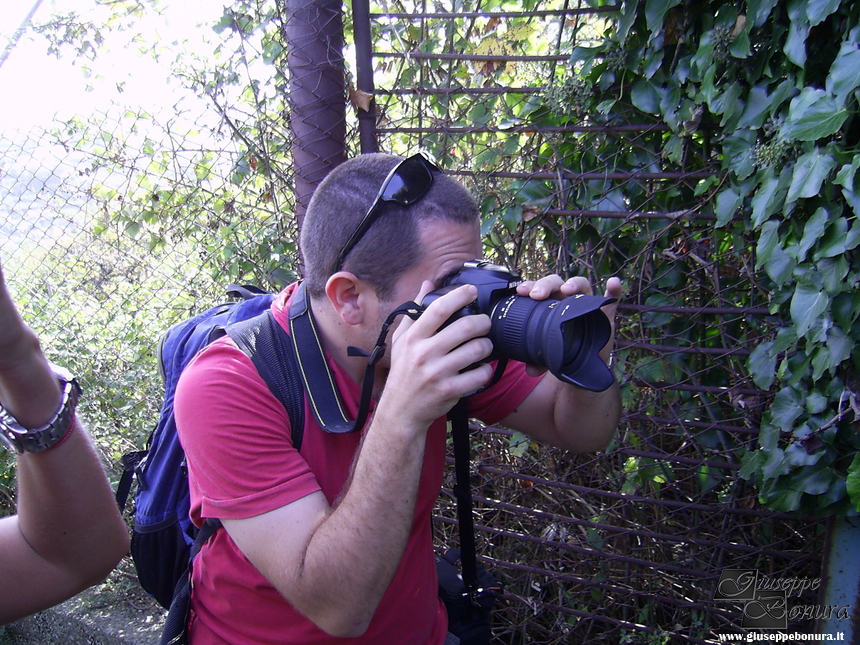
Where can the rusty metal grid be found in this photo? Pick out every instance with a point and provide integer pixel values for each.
(626, 546)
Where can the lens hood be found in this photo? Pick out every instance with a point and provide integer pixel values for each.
(592, 328)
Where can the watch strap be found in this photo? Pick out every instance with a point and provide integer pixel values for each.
(14, 435)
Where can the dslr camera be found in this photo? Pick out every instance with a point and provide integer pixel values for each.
(564, 336)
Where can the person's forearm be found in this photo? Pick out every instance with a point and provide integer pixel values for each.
(354, 554)
(29, 391)
(600, 412)
(66, 511)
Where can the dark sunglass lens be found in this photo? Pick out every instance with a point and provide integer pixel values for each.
(409, 183)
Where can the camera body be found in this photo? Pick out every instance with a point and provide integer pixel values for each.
(564, 336)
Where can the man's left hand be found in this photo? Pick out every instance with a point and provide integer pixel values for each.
(554, 286)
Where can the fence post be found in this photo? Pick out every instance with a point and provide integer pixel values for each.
(364, 75)
(841, 579)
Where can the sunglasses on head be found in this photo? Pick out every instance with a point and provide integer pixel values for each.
(407, 183)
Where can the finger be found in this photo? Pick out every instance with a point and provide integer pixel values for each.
(426, 287)
(455, 339)
(577, 285)
(541, 289)
(443, 308)
(613, 288)
(406, 322)
(470, 380)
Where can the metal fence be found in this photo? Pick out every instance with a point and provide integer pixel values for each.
(114, 227)
(626, 546)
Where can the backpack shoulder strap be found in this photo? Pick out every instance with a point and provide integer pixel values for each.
(269, 348)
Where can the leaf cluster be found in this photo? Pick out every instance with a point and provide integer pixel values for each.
(774, 88)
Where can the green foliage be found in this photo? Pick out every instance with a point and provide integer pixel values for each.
(158, 215)
(778, 82)
(754, 108)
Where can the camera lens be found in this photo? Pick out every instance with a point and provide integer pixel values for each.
(563, 335)
(572, 334)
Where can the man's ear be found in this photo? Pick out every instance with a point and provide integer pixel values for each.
(348, 296)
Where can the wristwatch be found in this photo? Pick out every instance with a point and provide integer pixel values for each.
(20, 439)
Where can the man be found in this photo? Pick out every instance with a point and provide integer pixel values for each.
(334, 541)
(68, 533)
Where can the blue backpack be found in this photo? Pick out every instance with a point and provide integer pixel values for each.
(163, 535)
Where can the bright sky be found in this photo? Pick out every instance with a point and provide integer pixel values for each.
(34, 85)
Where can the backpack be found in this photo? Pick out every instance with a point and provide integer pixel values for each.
(163, 535)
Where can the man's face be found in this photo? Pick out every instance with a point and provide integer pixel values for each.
(445, 247)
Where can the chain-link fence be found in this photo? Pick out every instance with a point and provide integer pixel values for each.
(117, 226)
(114, 227)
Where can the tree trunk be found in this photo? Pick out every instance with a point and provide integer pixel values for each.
(313, 35)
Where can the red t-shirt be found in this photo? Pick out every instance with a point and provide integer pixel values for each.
(241, 463)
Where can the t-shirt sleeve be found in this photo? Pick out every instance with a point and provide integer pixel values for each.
(236, 437)
(500, 400)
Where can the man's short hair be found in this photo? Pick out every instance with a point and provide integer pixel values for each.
(391, 245)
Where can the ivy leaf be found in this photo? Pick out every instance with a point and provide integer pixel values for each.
(770, 196)
(812, 232)
(726, 205)
(809, 173)
(813, 115)
(807, 304)
(770, 254)
(844, 74)
(673, 150)
(845, 176)
(736, 153)
(757, 105)
(839, 346)
(834, 241)
(853, 482)
(814, 480)
(774, 464)
(762, 365)
(797, 455)
(786, 500)
(759, 10)
(795, 44)
(787, 407)
(628, 16)
(645, 97)
(818, 10)
(816, 403)
(655, 11)
(751, 463)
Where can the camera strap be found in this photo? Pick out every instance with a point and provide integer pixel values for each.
(459, 417)
(317, 377)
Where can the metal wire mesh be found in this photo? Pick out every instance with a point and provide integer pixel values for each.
(108, 236)
(626, 546)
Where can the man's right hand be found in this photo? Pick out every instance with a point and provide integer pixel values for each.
(427, 361)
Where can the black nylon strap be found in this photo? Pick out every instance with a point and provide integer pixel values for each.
(175, 630)
(459, 417)
(316, 374)
(271, 350)
(314, 368)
